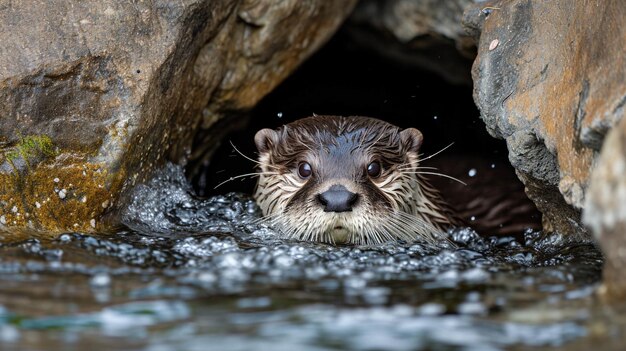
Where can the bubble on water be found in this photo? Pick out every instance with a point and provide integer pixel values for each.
(475, 275)
(100, 280)
(231, 260)
(354, 284)
(9, 333)
(376, 295)
(283, 261)
(208, 247)
(471, 308)
(432, 309)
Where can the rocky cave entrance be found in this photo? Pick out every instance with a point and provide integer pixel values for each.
(347, 78)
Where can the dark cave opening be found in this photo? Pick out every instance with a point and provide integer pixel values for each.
(347, 79)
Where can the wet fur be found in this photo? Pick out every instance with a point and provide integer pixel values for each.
(400, 204)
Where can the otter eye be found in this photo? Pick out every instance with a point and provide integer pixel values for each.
(373, 169)
(304, 170)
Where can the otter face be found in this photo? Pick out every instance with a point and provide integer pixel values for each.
(343, 180)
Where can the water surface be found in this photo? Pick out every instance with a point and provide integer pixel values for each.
(190, 274)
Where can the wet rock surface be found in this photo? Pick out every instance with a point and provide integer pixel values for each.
(119, 87)
(425, 34)
(549, 79)
(605, 209)
(197, 272)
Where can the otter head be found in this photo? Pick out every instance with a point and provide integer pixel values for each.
(343, 180)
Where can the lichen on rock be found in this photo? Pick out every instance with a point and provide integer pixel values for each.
(60, 195)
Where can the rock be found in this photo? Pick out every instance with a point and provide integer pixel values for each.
(605, 209)
(100, 93)
(552, 87)
(427, 34)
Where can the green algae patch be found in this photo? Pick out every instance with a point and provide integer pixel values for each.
(55, 196)
(31, 149)
(32, 146)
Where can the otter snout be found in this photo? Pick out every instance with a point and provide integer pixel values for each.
(337, 199)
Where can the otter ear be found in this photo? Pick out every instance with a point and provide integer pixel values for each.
(411, 139)
(265, 139)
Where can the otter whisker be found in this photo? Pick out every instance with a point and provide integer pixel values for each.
(401, 225)
(435, 154)
(386, 233)
(406, 164)
(374, 236)
(268, 220)
(251, 159)
(411, 167)
(438, 174)
(414, 221)
(434, 233)
(243, 176)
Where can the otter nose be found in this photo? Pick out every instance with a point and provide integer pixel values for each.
(337, 199)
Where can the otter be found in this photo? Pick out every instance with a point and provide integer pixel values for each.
(348, 180)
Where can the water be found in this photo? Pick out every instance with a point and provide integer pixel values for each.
(193, 274)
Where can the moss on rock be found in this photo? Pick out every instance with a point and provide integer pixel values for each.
(64, 194)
